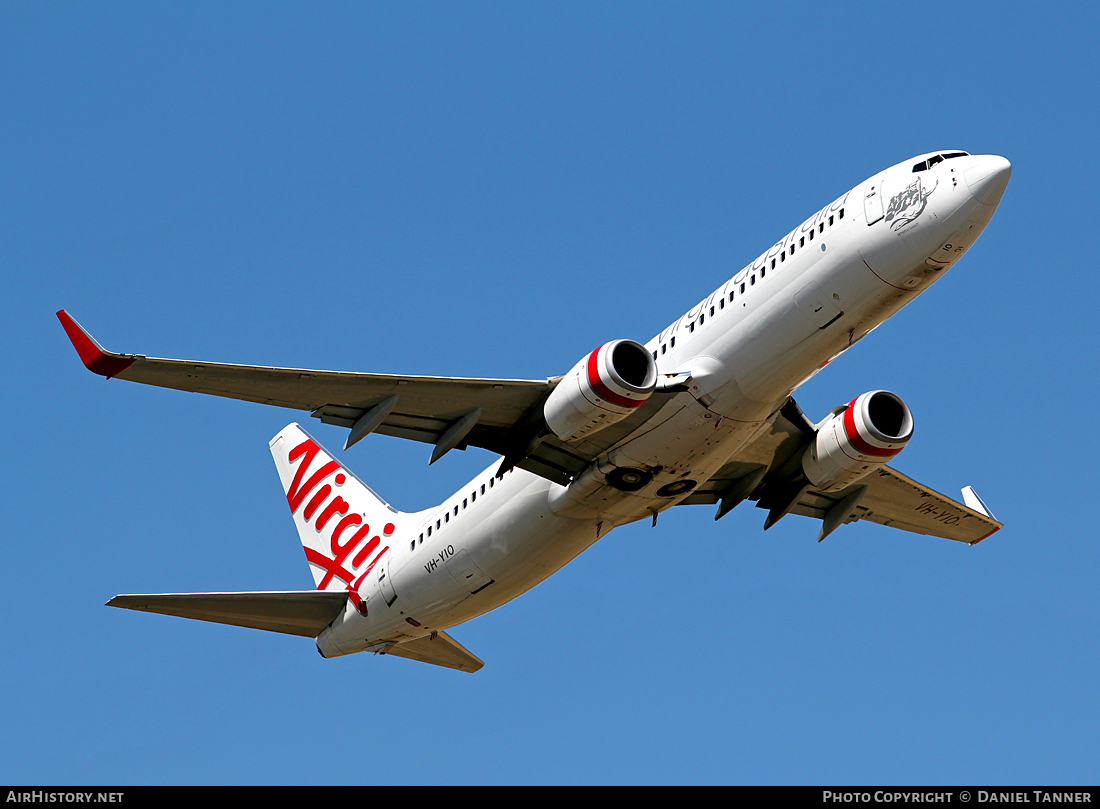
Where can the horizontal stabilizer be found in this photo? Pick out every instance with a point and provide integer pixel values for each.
(303, 612)
(439, 649)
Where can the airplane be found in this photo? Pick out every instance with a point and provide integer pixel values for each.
(701, 414)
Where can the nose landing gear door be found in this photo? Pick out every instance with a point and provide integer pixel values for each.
(872, 199)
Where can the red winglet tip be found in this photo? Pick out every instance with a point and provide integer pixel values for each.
(91, 353)
(991, 533)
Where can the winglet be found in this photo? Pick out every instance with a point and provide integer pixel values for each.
(95, 359)
(972, 501)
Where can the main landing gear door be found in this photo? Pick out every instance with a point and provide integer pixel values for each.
(872, 199)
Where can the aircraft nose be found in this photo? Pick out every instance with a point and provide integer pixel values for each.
(988, 178)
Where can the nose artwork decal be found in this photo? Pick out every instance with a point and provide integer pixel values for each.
(900, 211)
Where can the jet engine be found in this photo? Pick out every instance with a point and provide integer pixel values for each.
(604, 387)
(855, 439)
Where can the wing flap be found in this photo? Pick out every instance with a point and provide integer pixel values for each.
(302, 612)
(439, 649)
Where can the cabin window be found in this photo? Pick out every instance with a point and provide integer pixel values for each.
(663, 347)
(731, 297)
(821, 228)
(773, 263)
(412, 545)
(456, 509)
(447, 517)
(483, 488)
(830, 221)
(792, 249)
(802, 242)
(783, 256)
(840, 214)
(761, 273)
(742, 289)
(429, 530)
(712, 311)
(691, 326)
(672, 343)
(437, 523)
(752, 279)
(464, 502)
(422, 538)
(721, 303)
(491, 482)
(811, 235)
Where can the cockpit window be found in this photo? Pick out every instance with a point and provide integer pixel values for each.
(934, 159)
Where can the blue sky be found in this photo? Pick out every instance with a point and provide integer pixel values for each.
(492, 189)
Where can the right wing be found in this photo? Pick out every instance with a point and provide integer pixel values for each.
(425, 406)
(500, 415)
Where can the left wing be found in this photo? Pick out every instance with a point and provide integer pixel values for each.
(500, 415)
(768, 471)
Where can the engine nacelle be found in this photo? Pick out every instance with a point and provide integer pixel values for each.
(871, 430)
(605, 387)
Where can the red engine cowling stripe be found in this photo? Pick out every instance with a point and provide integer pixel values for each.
(862, 446)
(602, 390)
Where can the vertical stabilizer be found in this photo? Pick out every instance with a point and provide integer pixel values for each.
(346, 528)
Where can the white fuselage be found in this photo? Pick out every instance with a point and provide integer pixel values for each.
(748, 345)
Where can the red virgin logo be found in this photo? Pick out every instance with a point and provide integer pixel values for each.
(322, 510)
